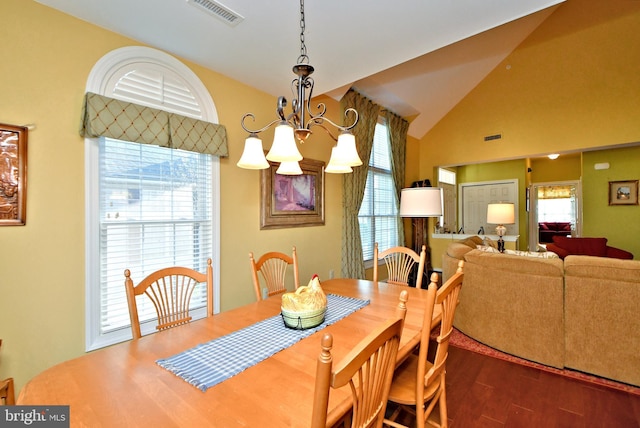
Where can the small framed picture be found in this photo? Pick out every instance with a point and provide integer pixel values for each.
(623, 192)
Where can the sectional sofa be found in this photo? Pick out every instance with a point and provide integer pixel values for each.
(579, 313)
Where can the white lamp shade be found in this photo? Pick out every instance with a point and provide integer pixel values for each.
(284, 147)
(346, 149)
(501, 213)
(336, 165)
(253, 154)
(421, 202)
(289, 168)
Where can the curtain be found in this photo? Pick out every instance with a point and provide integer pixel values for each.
(108, 117)
(353, 185)
(398, 127)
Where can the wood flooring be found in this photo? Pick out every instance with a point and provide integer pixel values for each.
(487, 392)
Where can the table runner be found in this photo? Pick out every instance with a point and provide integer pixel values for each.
(210, 363)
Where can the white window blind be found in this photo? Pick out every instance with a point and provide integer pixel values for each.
(155, 212)
(379, 211)
(148, 207)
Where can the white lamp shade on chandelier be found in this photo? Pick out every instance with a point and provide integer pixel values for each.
(421, 202)
(284, 148)
(253, 155)
(289, 168)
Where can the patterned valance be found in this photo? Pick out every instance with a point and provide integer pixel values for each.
(107, 117)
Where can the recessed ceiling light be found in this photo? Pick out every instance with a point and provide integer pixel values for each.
(553, 156)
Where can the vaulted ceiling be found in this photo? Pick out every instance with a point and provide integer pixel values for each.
(418, 58)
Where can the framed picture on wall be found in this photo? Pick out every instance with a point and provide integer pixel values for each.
(292, 200)
(13, 175)
(623, 192)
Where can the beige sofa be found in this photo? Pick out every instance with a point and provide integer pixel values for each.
(581, 313)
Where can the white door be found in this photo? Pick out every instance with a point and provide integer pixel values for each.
(474, 200)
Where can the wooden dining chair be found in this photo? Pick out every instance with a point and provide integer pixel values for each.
(273, 266)
(400, 262)
(7, 393)
(367, 369)
(170, 290)
(419, 384)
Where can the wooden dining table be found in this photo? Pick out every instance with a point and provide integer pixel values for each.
(122, 385)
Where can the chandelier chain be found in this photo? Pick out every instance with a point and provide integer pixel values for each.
(303, 48)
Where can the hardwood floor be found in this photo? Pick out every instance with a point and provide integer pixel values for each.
(487, 392)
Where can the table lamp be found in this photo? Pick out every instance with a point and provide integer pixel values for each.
(501, 213)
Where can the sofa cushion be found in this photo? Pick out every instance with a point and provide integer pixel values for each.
(540, 255)
(602, 268)
(512, 263)
(582, 246)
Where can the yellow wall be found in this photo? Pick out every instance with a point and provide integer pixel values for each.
(573, 84)
(564, 168)
(47, 57)
(619, 224)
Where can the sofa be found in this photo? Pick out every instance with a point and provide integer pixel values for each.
(578, 313)
(548, 229)
(564, 246)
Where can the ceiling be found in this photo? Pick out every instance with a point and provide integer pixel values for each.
(385, 50)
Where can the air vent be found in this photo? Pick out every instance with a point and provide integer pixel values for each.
(493, 137)
(218, 10)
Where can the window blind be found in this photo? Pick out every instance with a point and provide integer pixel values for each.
(155, 211)
(378, 213)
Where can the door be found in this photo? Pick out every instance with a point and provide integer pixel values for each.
(558, 202)
(473, 205)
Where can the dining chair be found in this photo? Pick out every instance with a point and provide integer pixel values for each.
(273, 266)
(367, 369)
(400, 262)
(170, 290)
(418, 383)
(7, 394)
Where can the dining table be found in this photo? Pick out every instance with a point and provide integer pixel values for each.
(124, 386)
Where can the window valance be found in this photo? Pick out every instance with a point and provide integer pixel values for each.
(108, 117)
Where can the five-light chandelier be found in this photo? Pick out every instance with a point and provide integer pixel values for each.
(297, 126)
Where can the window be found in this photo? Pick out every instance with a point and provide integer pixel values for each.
(148, 207)
(378, 216)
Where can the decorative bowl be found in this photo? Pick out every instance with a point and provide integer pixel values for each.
(303, 320)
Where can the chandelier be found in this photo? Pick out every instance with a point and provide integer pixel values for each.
(297, 126)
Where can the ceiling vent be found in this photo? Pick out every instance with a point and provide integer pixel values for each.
(493, 137)
(218, 10)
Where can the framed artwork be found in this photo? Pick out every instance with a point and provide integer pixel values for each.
(13, 175)
(292, 200)
(623, 192)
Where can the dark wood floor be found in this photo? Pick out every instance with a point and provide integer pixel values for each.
(487, 392)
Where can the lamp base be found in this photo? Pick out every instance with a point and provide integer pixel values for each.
(500, 244)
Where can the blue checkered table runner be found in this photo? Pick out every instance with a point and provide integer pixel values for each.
(210, 363)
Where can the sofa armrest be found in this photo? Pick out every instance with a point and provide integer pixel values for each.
(562, 253)
(617, 253)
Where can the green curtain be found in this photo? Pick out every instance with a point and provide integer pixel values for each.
(353, 185)
(397, 128)
(108, 117)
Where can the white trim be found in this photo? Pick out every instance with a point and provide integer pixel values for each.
(98, 82)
